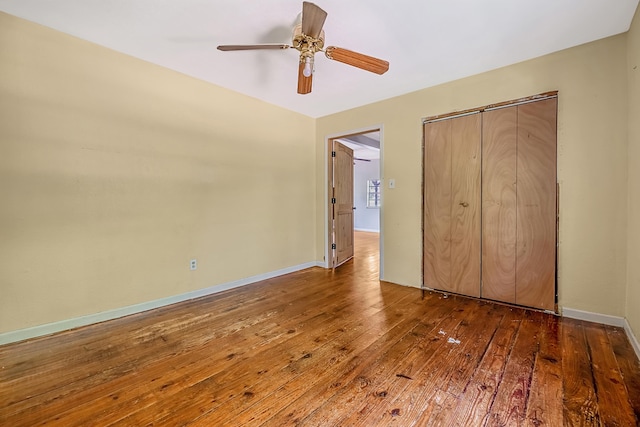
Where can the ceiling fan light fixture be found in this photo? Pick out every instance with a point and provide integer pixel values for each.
(308, 66)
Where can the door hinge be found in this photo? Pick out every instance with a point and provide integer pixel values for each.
(333, 200)
(333, 154)
(333, 246)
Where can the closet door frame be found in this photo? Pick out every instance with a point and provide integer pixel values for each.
(515, 102)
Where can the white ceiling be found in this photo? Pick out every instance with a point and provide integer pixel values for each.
(365, 146)
(427, 42)
(361, 152)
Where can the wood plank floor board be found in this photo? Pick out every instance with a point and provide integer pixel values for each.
(292, 390)
(545, 393)
(314, 381)
(471, 406)
(580, 402)
(322, 347)
(419, 399)
(629, 365)
(376, 378)
(416, 331)
(614, 404)
(430, 352)
(510, 402)
(407, 369)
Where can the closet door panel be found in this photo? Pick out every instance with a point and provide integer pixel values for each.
(437, 209)
(499, 148)
(536, 204)
(466, 135)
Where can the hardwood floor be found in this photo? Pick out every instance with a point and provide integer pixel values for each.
(323, 348)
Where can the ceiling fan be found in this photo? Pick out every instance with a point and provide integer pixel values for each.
(308, 38)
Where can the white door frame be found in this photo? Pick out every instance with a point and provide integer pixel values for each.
(327, 140)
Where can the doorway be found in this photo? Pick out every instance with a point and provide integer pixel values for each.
(365, 147)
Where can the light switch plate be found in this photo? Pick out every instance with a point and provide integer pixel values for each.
(392, 183)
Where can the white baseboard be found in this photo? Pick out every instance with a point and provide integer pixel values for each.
(632, 338)
(605, 319)
(63, 325)
(368, 230)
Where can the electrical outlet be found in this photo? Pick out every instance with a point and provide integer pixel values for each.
(193, 264)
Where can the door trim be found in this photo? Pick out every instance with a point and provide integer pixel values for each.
(328, 141)
(525, 100)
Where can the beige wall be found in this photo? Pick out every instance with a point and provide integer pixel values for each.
(114, 173)
(633, 259)
(592, 155)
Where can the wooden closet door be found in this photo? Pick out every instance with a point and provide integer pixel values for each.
(466, 134)
(536, 204)
(452, 205)
(499, 148)
(437, 205)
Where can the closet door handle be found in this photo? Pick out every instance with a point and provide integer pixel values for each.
(464, 204)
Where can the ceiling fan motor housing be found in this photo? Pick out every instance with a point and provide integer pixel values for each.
(307, 45)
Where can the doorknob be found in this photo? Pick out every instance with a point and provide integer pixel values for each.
(354, 208)
(463, 204)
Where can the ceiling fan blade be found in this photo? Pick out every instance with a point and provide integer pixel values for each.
(365, 62)
(229, 47)
(304, 83)
(312, 19)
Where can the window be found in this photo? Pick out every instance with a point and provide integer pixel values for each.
(373, 193)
